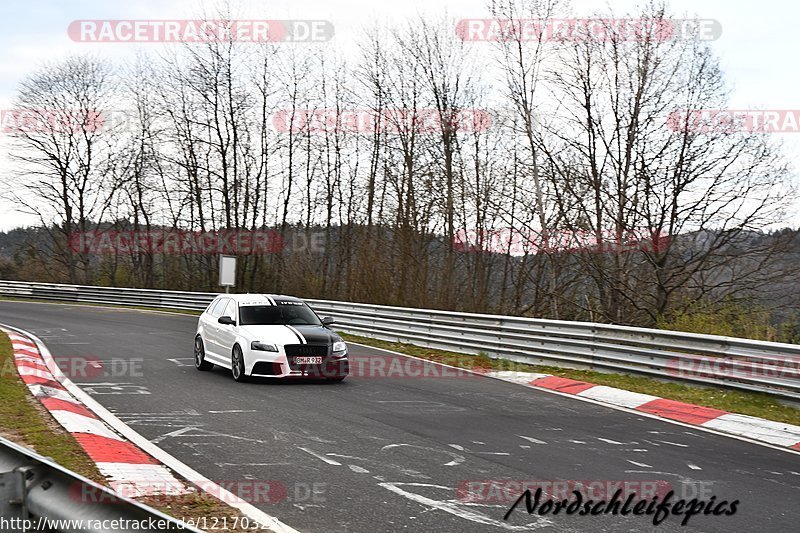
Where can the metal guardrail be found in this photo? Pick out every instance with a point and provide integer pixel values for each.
(37, 494)
(743, 364)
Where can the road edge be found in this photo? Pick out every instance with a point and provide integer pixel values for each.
(186, 472)
(795, 449)
(625, 399)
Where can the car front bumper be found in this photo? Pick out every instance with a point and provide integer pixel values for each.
(276, 365)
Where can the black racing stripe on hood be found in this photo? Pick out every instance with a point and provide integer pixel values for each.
(295, 333)
(315, 334)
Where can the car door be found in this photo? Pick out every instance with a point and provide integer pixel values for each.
(213, 348)
(227, 333)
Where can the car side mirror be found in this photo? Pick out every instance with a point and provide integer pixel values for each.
(228, 321)
(327, 321)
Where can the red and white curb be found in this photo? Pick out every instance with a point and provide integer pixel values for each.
(129, 470)
(750, 427)
(132, 463)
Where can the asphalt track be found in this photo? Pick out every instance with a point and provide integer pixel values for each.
(378, 454)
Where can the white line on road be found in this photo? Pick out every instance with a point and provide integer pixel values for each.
(176, 433)
(457, 509)
(457, 459)
(609, 441)
(322, 457)
(531, 439)
(492, 453)
(345, 456)
(675, 443)
(403, 401)
(178, 360)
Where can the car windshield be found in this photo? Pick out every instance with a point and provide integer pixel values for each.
(295, 314)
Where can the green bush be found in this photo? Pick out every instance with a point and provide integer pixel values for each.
(731, 319)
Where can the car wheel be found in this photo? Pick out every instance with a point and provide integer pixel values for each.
(237, 364)
(200, 362)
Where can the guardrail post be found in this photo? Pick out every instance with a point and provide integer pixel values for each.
(35, 488)
(12, 497)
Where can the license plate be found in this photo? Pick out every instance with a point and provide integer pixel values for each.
(308, 360)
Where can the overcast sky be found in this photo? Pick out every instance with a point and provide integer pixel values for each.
(758, 47)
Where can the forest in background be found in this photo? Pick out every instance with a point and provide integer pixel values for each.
(386, 158)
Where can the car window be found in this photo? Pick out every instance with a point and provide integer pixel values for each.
(231, 309)
(219, 306)
(295, 314)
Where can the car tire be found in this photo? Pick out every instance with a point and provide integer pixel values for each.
(200, 362)
(237, 364)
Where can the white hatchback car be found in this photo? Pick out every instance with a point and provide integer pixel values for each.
(268, 335)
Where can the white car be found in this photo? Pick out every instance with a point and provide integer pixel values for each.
(264, 335)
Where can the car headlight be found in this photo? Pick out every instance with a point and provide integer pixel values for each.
(339, 347)
(263, 346)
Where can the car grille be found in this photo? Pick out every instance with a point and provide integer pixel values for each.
(306, 350)
(264, 368)
(293, 350)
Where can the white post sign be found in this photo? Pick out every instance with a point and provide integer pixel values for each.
(227, 271)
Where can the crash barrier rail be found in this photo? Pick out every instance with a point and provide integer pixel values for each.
(693, 358)
(37, 494)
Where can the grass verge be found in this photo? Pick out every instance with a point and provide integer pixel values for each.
(746, 403)
(24, 420)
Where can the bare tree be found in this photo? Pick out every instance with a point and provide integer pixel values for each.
(63, 149)
(623, 172)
